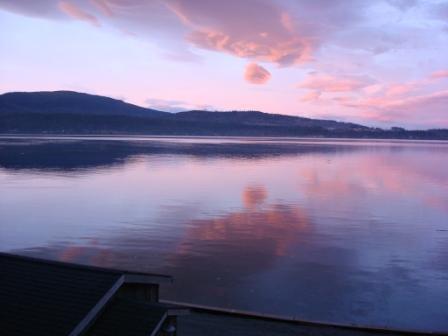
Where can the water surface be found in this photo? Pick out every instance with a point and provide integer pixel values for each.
(340, 231)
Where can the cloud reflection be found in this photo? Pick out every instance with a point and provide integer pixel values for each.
(222, 250)
(343, 234)
(254, 196)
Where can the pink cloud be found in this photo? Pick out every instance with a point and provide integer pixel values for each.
(77, 13)
(400, 89)
(252, 29)
(264, 49)
(281, 32)
(416, 103)
(430, 107)
(256, 74)
(330, 83)
(311, 96)
(394, 108)
(284, 33)
(439, 74)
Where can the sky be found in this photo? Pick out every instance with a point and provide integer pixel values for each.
(380, 63)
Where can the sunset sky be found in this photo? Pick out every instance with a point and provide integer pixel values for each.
(382, 62)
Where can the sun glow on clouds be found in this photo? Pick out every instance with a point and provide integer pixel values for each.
(440, 74)
(256, 74)
(381, 63)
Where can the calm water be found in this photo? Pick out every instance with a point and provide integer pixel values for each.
(345, 231)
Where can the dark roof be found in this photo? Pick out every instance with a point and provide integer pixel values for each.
(39, 297)
(160, 277)
(129, 317)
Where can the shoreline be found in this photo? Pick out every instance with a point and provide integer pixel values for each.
(224, 137)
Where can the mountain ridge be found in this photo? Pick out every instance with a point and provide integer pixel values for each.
(35, 102)
(70, 112)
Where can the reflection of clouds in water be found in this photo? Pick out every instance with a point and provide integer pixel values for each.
(268, 257)
(360, 240)
(268, 231)
(352, 177)
(224, 252)
(253, 196)
(90, 253)
(274, 258)
(234, 246)
(71, 253)
(139, 246)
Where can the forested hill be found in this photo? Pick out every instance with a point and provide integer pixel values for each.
(67, 112)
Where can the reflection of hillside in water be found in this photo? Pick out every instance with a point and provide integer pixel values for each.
(71, 155)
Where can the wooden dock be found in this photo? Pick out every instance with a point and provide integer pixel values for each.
(213, 321)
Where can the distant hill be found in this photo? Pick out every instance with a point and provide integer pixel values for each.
(256, 118)
(69, 102)
(67, 112)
